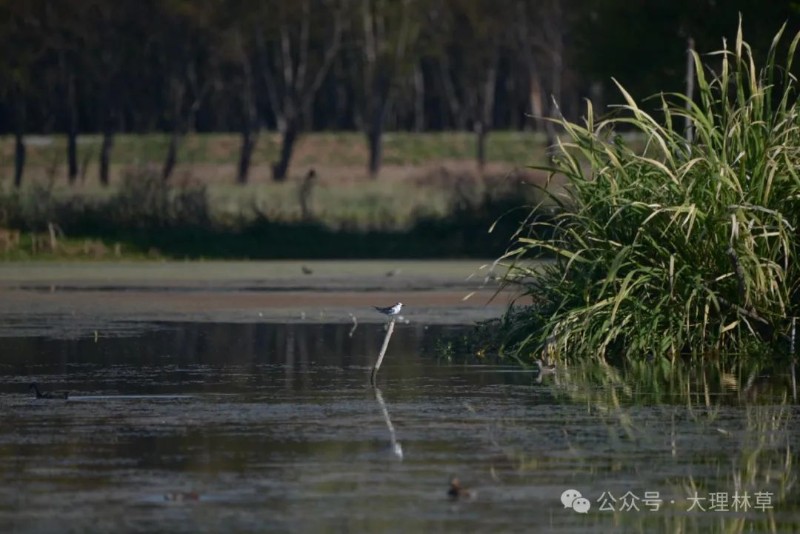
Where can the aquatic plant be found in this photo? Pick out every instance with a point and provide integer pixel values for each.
(682, 247)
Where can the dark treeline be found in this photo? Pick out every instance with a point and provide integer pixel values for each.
(177, 66)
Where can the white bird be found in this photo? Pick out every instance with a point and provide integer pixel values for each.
(391, 310)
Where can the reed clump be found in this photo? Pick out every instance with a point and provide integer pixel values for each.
(679, 249)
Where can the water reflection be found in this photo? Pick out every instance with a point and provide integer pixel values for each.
(397, 449)
(219, 427)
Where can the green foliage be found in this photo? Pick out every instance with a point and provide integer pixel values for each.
(680, 248)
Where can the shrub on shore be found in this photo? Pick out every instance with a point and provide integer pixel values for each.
(680, 249)
(147, 215)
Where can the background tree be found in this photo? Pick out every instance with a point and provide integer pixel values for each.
(476, 37)
(174, 66)
(110, 48)
(236, 81)
(56, 31)
(19, 33)
(385, 50)
(540, 30)
(297, 43)
(184, 43)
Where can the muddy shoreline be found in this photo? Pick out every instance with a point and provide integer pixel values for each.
(78, 299)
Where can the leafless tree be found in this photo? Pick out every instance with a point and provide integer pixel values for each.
(250, 122)
(185, 44)
(186, 94)
(295, 54)
(388, 32)
(468, 68)
(540, 37)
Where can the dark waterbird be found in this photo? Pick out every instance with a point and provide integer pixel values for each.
(48, 394)
(457, 491)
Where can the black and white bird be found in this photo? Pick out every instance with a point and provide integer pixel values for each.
(391, 310)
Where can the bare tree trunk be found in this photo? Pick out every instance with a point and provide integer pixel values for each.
(172, 154)
(419, 99)
(249, 139)
(19, 142)
(72, 129)
(182, 122)
(537, 103)
(375, 136)
(487, 111)
(596, 95)
(341, 98)
(542, 42)
(105, 149)
(177, 90)
(291, 85)
(84, 167)
(525, 37)
(249, 122)
(19, 155)
(72, 155)
(510, 103)
(290, 133)
(556, 71)
(456, 109)
(377, 109)
(481, 132)
(374, 140)
(105, 157)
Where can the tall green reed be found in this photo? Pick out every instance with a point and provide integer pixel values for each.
(677, 248)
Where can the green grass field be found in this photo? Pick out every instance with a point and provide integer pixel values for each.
(423, 174)
(212, 157)
(425, 177)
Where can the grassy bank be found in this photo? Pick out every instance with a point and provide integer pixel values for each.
(143, 216)
(429, 201)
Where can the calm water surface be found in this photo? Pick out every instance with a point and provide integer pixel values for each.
(211, 427)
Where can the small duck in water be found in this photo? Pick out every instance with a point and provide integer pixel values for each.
(48, 394)
(456, 491)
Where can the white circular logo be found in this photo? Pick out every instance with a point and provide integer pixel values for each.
(572, 498)
(569, 496)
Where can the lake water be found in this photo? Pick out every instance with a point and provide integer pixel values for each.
(224, 423)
